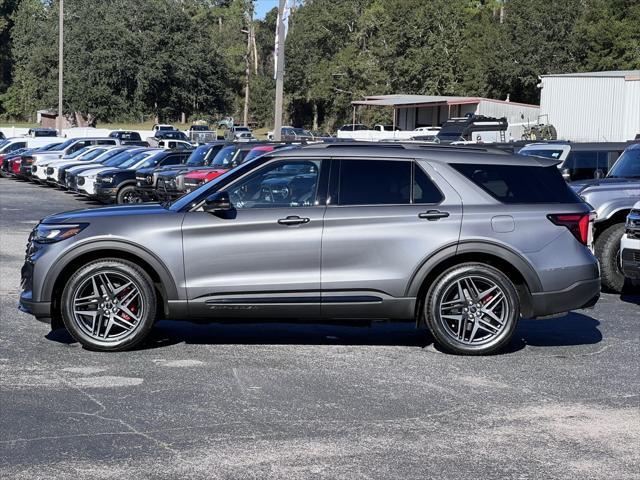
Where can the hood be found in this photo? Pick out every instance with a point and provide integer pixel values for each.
(605, 184)
(83, 167)
(95, 171)
(87, 214)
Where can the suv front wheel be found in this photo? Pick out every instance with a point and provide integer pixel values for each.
(472, 309)
(109, 305)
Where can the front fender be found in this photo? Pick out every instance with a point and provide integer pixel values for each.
(126, 247)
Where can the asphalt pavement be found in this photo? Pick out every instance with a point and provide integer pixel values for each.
(283, 401)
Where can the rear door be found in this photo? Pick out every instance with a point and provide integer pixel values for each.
(384, 219)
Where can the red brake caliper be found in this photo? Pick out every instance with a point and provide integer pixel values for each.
(132, 307)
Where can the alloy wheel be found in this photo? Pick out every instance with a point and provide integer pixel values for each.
(474, 310)
(108, 306)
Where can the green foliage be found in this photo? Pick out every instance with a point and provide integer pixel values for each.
(125, 59)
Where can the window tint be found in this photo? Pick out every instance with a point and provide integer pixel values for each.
(374, 182)
(424, 190)
(105, 142)
(520, 183)
(290, 183)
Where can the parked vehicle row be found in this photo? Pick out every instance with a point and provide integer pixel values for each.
(117, 173)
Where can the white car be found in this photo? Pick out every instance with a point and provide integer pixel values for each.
(87, 179)
(630, 245)
(42, 159)
(40, 168)
(83, 156)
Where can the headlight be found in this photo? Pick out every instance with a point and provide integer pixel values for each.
(149, 179)
(50, 233)
(105, 179)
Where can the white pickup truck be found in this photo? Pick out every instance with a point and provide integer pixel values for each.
(381, 132)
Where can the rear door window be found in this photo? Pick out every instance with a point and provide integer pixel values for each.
(517, 184)
(374, 182)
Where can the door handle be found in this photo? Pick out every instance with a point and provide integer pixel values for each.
(293, 220)
(432, 215)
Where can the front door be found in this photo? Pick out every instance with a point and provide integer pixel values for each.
(263, 257)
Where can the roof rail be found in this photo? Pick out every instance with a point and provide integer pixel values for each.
(410, 146)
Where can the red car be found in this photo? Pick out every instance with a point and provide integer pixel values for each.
(194, 179)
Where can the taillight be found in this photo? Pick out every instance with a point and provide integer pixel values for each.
(579, 224)
(15, 166)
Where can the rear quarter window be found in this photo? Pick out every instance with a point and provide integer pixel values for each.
(517, 184)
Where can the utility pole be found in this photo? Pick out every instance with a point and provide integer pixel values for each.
(250, 42)
(60, 63)
(277, 123)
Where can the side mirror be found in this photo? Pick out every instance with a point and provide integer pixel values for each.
(217, 202)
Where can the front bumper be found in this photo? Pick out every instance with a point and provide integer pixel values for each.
(168, 194)
(583, 294)
(106, 194)
(631, 263)
(146, 193)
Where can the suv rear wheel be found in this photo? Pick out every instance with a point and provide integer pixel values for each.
(109, 305)
(607, 248)
(472, 309)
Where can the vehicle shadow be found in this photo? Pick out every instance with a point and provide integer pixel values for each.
(631, 298)
(572, 330)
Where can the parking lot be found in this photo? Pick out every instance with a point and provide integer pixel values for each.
(311, 401)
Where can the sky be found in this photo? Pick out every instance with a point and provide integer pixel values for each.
(263, 6)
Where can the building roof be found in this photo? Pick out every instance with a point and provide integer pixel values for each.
(400, 100)
(626, 74)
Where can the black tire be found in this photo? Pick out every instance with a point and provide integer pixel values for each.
(442, 330)
(607, 248)
(146, 307)
(127, 195)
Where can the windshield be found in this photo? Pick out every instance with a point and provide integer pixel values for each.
(224, 157)
(78, 152)
(627, 166)
(51, 146)
(93, 154)
(122, 157)
(66, 144)
(546, 153)
(133, 161)
(198, 156)
(255, 153)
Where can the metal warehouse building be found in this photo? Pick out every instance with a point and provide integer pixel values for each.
(593, 107)
(412, 111)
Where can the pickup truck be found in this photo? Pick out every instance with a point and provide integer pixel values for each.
(612, 197)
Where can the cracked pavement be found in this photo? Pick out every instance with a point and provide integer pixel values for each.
(311, 401)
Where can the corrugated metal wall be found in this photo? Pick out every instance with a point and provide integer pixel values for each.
(514, 112)
(592, 109)
(631, 109)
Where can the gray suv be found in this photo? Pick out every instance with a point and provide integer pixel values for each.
(464, 240)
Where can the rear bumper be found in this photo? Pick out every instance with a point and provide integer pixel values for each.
(631, 263)
(583, 294)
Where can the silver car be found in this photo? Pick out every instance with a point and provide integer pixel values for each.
(463, 240)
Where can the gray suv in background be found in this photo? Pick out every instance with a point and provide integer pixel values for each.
(464, 240)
